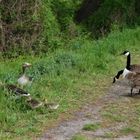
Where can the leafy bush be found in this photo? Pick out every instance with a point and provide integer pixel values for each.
(34, 27)
(110, 12)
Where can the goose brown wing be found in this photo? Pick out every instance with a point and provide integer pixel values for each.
(135, 79)
(135, 68)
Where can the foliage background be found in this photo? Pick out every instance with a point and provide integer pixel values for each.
(34, 26)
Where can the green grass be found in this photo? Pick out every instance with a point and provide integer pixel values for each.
(113, 116)
(79, 137)
(128, 130)
(91, 127)
(109, 135)
(71, 77)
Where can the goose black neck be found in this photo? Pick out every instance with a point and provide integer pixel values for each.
(128, 62)
(119, 73)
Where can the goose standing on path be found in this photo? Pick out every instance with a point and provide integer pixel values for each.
(134, 67)
(24, 79)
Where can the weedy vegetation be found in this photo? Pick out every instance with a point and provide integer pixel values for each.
(71, 64)
(70, 77)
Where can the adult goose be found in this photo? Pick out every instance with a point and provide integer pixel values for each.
(16, 90)
(24, 79)
(134, 67)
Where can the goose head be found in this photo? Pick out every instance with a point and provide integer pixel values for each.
(26, 64)
(126, 53)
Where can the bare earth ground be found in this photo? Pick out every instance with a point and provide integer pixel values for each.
(92, 113)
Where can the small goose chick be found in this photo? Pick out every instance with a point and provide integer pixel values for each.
(33, 103)
(24, 79)
(52, 106)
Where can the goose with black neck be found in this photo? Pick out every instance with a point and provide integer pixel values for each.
(134, 67)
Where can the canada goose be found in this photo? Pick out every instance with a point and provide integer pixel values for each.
(134, 67)
(16, 90)
(33, 103)
(24, 79)
(52, 106)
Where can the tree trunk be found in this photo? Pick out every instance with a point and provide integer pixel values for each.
(137, 6)
(87, 8)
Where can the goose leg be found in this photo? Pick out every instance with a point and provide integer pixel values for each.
(139, 91)
(131, 91)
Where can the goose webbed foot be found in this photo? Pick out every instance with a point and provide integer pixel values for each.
(131, 92)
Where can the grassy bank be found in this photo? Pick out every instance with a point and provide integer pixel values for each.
(71, 76)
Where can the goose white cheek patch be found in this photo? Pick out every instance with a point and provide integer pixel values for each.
(127, 53)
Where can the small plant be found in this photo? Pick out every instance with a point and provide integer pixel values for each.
(91, 127)
(66, 59)
(109, 135)
(113, 117)
(128, 130)
(79, 137)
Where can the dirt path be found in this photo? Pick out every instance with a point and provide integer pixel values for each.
(92, 114)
